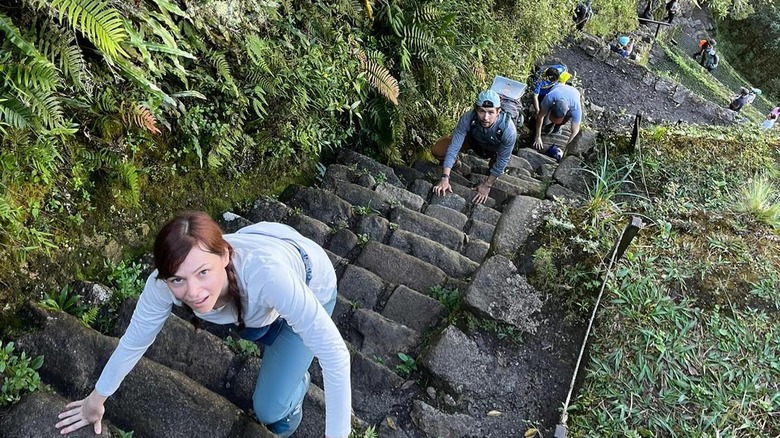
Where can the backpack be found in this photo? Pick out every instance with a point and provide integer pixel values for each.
(512, 108)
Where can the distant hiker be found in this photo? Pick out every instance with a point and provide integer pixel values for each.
(582, 14)
(647, 14)
(704, 46)
(623, 46)
(752, 95)
(546, 80)
(270, 283)
(672, 9)
(741, 100)
(771, 118)
(710, 60)
(561, 105)
(486, 130)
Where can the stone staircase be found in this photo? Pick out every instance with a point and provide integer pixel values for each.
(394, 246)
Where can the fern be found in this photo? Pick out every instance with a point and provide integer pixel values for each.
(60, 48)
(34, 74)
(99, 22)
(127, 174)
(140, 116)
(44, 105)
(223, 68)
(379, 77)
(14, 113)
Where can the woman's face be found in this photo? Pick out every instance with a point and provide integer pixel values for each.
(201, 279)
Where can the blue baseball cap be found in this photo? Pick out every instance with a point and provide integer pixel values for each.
(489, 99)
(559, 108)
(624, 40)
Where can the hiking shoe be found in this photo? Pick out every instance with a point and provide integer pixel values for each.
(557, 129)
(285, 427)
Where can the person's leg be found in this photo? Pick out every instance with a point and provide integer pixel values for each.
(439, 149)
(283, 381)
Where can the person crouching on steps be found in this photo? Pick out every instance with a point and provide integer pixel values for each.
(269, 282)
(561, 105)
(486, 130)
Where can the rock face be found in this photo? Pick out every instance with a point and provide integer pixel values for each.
(405, 260)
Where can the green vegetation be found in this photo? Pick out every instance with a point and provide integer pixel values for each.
(686, 342)
(242, 347)
(450, 298)
(407, 366)
(18, 372)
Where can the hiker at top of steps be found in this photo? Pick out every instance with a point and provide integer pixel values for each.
(269, 282)
(489, 132)
(561, 105)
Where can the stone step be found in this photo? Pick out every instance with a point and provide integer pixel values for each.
(74, 356)
(427, 226)
(451, 262)
(365, 164)
(35, 415)
(395, 266)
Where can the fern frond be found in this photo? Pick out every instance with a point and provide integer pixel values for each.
(60, 47)
(258, 48)
(427, 13)
(15, 37)
(43, 104)
(14, 113)
(140, 116)
(98, 21)
(380, 77)
(419, 40)
(36, 73)
(128, 176)
(219, 62)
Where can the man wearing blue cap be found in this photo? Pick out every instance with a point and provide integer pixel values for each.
(486, 130)
(561, 105)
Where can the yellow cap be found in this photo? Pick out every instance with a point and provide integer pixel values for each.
(564, 77)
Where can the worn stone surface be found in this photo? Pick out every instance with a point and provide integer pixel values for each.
(500, 293)
(361, 162)
(374, 226)
(451, 262)
(584, 144)
(534, 158)
(382, 336)
(361, 286)
(342, 242)
(457, 361)
(440, 424)
(268, 210)
(413, 309)
(361, 197)
(561, 193)
(319, 204)
(451, 200)
(476, 250)
(421, 188)
(511, 171)
(336, 174)
(520, 218)
(485, 214)
(449, 216)
(74, 357)
(408, 175)
(34, 416)
(514, 186)
(310, 227)
(428, 227)
(547, 171)
(516, 162)
(402, 196)
(480, 230)
(231, 222)
(396, 267)
(570, 174)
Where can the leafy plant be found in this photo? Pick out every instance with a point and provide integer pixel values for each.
(362, 210)
(242, 347)
(363, 238)
(369, 432)
(125, 278)
(407, 365)
(19, 374)
(64, 301)
(450, 298)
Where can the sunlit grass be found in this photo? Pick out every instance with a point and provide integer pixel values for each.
(760, 198)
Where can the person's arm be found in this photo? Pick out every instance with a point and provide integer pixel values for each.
(151, 311)
(458, 137)
(283, 290)
(536, 103)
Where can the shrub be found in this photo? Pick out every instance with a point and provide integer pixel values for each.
(19, 374)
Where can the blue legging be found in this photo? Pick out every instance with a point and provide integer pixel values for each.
(280, 386)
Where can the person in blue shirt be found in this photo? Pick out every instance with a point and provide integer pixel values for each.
(551, 75)
(486, 130)
(562, 104)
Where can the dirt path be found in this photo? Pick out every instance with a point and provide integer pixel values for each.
(618, 92)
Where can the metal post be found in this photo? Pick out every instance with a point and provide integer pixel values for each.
(635, 133)
(633, 227)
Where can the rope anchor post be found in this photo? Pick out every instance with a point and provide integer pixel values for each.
(628, 234)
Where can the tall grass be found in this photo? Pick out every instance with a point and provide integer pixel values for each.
(760, 199)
